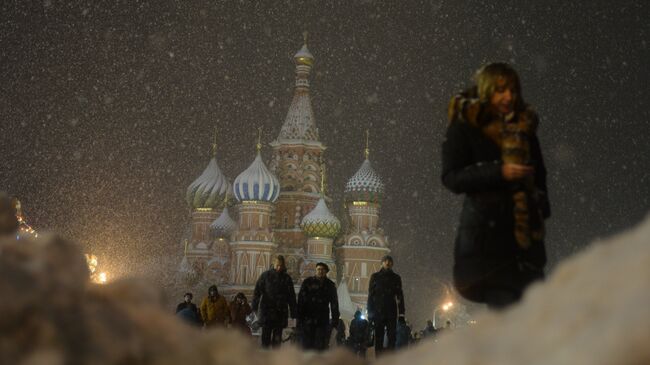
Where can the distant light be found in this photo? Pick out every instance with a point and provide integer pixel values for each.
(363, 317)
(102, 278)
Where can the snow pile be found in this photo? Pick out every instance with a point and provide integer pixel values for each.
(594, 309)
(52, 314)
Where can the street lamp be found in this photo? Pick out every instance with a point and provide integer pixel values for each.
(445, 307)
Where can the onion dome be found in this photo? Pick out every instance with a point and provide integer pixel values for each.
(257, 182)
(320, 222)
(223, 226)
(304, 57)
(365, 185)
(208, 190)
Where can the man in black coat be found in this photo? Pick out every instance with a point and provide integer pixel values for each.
(385, 301)
(275, 297)
(317, 297)
(492, 155)
(188, 310)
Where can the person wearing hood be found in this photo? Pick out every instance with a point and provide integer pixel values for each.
(275, 298)
(239, 310)
(359, 333)
(214, 309)
(385, 304)
(491, 154)
(316, 299)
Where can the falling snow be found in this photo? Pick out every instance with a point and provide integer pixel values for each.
(107, 112)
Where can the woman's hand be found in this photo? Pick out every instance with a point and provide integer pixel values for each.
(513, 171)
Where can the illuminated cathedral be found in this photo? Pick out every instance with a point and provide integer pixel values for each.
(280, 207)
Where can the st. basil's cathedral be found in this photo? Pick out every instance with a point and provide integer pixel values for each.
(281, 208)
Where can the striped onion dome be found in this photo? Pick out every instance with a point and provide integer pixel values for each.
(365, 185)
(208, 190)
(320, 222)
(257, 183)
(223, 226)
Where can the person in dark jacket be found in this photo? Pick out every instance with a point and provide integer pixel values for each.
(317, 297)
(429, 330)
(359, 332)
(276, 299)
(188, 310)
(239, 310)
(492, 155)
(385, 302)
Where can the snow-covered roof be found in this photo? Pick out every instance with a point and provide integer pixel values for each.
(303, 56)
(224, 225)
(209, 189)
(257, 183)
(320, 222)
(300, 122)
(365, 184)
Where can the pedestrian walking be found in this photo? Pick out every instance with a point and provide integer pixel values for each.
(276, 300)
(385, 304)
(214, 309)
(316, 300)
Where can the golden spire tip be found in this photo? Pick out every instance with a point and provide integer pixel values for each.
(214, 143)
(259, 139)
(366, 152)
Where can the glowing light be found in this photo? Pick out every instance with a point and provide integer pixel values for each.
(102, 278)
(447, 306)
(360, 203)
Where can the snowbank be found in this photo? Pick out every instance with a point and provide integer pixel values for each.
(594, 309)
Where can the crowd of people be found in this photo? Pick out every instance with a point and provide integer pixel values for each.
(315, 312)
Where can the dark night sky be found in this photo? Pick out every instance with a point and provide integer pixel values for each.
(107, 110)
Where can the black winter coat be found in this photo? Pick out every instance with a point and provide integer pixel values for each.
(486, 253)
(315, 300)
(191, 306)
(275, 297)
(385, 296)
(358, 331)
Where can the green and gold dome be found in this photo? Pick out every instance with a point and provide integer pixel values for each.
(320, 222)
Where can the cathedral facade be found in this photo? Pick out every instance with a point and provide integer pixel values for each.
(281, 208)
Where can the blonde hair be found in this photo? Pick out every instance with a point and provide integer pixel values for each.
(487, 78)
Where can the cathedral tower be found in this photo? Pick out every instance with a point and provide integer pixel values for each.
(256, 189)
(206, 197)
(364, 243)
(296, 155)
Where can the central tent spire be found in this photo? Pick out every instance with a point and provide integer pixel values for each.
(299, 125)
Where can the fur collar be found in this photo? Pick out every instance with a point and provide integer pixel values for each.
(466, 107)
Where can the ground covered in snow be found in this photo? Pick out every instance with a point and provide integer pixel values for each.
(593, 309)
